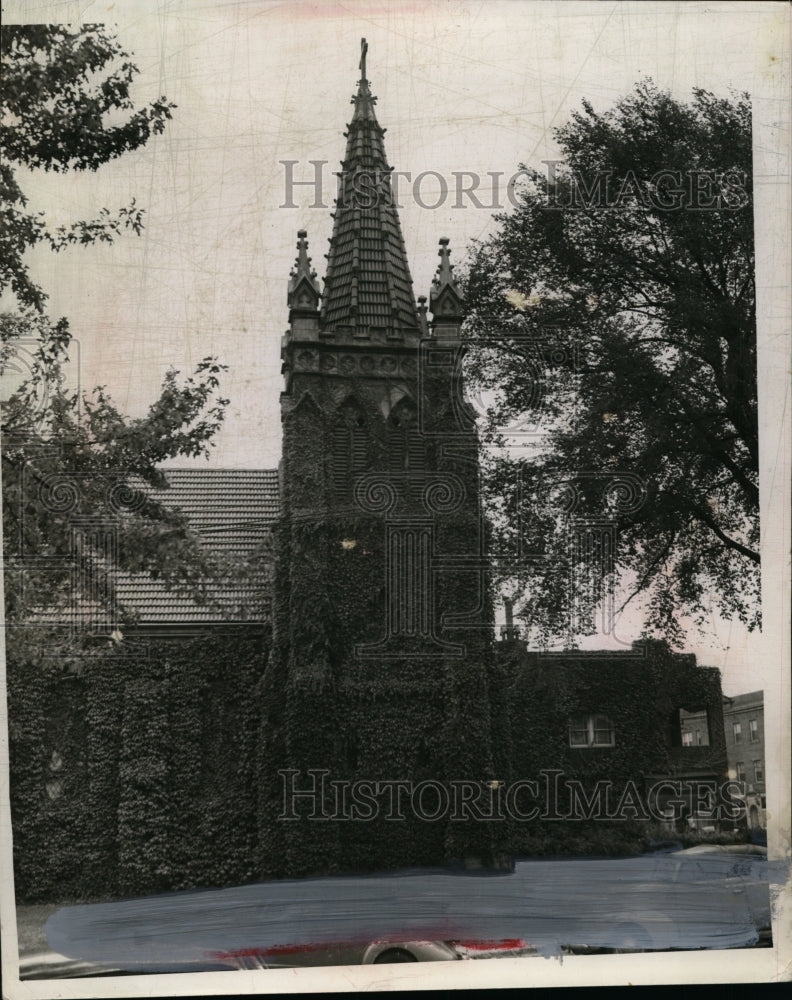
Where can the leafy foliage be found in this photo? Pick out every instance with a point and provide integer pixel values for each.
(613, 313)
(69, 456)
(135, 773)
(66, 105)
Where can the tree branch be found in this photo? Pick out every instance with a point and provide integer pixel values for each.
(732, 543)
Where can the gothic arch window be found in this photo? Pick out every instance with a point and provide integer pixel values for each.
(349, 447)
(406, 447)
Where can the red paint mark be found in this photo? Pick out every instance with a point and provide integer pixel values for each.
(507, 944)
(273, 951)
(282, 949)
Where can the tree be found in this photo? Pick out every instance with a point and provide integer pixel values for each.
(65, 105)
(69, 458)
(614, 310)
(75, 477)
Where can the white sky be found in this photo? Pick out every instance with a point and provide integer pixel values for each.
(461, 86)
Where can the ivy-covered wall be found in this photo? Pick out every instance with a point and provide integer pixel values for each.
(135, 773)
(158, 770)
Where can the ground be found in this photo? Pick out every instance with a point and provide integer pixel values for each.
(30, 926)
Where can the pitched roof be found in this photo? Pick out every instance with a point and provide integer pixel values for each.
(232, 511)
(368, 281)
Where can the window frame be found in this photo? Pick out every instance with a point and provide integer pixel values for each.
(594, 724)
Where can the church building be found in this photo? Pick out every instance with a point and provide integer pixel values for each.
(343, 705)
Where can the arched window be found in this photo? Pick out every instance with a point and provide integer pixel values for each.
(406, 446)
(349, 448)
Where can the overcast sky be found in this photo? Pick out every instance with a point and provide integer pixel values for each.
(461, 86)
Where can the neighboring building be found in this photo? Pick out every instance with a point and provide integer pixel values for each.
(743, 719)
(695, 729)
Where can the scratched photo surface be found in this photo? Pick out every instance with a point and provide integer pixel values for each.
(390, 395)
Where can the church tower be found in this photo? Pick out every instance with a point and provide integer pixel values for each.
(376, 695)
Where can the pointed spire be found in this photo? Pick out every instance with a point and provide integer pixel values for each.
(303, 291)
(445, 299)
(368, 284)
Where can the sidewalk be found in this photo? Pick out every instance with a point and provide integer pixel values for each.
(30, 926)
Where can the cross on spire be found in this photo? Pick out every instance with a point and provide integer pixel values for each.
(363, 51)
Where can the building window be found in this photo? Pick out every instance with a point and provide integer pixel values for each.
(690, 728)
(737, 730)
(753, 730)
(740, 769)
(758, 770)
(591, 731)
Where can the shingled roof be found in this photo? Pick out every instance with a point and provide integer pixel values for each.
(368, 283)
(232, 511)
